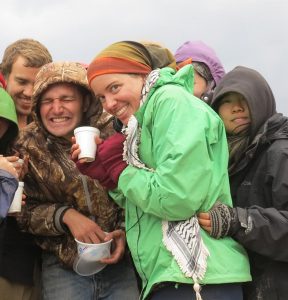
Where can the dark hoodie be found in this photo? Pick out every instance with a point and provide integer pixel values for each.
(259, 185)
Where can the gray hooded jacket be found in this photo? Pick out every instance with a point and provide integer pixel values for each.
(259, 185)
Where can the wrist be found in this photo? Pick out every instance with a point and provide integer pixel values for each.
(59, 222)
(239, 220)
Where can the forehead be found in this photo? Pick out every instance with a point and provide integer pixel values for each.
(60, 89)
(102, 82)
(20, 70)
(105, 78)
(233, 95)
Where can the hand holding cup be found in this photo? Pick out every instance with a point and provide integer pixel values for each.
(86, 144)
(8, 166)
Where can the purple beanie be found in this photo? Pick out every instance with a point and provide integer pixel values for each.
(200, 52)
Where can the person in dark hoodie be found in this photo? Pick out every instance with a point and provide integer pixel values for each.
(258, 167)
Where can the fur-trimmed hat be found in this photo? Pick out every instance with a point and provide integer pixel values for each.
(65, 72)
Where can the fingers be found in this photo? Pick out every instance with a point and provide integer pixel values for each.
(118, 249)
(116, 234)
(12, 159)
(204, 216)
(7, 165)
(204, 220)
(75, 151)
(92, 238)
(98, 140)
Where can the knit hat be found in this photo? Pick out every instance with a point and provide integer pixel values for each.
(130, 57)
(64, 72)
(200, 52)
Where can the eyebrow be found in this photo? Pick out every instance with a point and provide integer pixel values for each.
(21, 78)
(60, 97)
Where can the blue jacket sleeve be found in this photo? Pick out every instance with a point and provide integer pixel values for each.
(8, 187)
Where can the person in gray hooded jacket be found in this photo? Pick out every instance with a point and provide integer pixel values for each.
(258, 167)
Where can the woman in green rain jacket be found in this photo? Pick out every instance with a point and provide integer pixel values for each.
(176, 150)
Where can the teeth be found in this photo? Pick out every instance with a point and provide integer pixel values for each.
(58, 120)
(119, 112)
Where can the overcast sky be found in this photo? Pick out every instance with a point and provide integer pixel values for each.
(252, 33)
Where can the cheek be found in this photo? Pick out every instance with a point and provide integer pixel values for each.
(77, 110)
(43, 113)
(197, 90)
(223, 111)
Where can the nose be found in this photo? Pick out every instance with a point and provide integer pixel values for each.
(28, 90)
(238, 106)
(57, 106)
(110, 103)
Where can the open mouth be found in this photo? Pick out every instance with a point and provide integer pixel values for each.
(59, 119)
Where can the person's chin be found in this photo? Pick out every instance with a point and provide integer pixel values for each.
(241, 128)
(24, 112)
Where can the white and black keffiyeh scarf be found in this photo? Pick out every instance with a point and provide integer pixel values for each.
(181, 238)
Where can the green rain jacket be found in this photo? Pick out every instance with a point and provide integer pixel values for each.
(184, 141)
(8, 112)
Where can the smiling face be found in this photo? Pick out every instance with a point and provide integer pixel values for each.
(20, 84)
(119, 94)
(234, 112)
(61, 109)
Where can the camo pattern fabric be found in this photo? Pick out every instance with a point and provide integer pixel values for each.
(52, 180)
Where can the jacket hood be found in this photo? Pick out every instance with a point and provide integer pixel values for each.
(255, 90)
(184, 77)
(65, 72)
(200, 52)
(275, 128)
(8, 112)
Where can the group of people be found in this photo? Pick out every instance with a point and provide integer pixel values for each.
(189, 171)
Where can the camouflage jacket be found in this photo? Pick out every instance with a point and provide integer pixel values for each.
(52, 183)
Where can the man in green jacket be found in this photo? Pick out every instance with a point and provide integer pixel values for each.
(8, 173)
